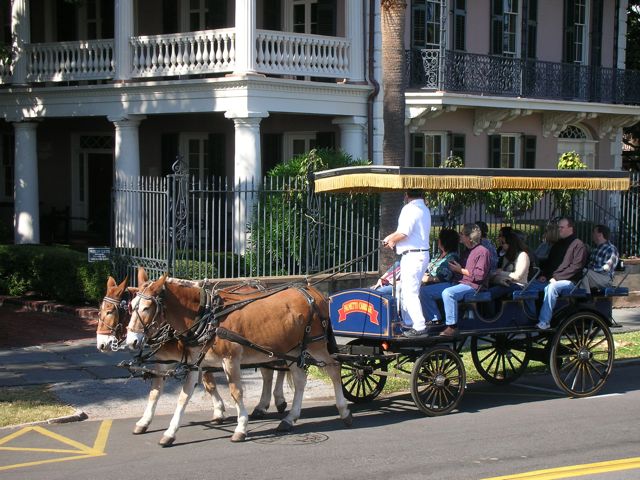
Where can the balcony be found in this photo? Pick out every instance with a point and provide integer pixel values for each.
(513, 77)
(207, 52)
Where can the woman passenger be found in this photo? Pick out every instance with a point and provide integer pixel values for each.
(513, 271)
(439, 276)
(475, 276)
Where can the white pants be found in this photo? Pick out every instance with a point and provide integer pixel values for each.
(412, 267)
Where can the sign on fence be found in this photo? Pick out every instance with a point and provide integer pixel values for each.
(98, 254)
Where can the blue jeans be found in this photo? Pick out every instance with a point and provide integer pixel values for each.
(450, 297)
(551, 293)
(428, 295)
(499, 291)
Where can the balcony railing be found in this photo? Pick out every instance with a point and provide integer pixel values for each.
(70, 61)
(513, 77)
(189, 53)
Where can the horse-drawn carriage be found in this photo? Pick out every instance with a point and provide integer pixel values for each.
(579, 347)
(290, 324)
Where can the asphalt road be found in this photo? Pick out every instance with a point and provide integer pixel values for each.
(498, 431)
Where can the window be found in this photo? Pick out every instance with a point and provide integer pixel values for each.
(298, 143)
(425, 19)
(512, 151)
(6, 167)
(505, 27)
(459, 24)
(206, 14)
(314, 16)
(575, 31)
(428, 149)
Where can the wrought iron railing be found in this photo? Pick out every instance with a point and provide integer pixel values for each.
(514, 77)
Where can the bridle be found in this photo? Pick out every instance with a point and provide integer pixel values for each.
(122, 309)
(146, 328)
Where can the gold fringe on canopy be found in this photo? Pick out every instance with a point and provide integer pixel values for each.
(379, 182)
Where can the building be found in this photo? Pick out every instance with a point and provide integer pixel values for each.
(104, 89)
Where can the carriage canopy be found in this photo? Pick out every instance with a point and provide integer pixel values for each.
(379, 178)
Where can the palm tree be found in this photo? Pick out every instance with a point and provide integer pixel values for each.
(393, 84)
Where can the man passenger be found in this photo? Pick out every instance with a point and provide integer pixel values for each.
(602, 260)
(562, 269)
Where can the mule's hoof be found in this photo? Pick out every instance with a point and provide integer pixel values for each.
(166, 441)
(217, 421)
(140, 429)
(258, 414)
(281, 407)
(348, 420)
(284, 427)
(238, 437)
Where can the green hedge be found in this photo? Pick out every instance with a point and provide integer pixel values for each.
(53, 272)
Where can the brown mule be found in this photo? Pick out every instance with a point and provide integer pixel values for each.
(276, 322)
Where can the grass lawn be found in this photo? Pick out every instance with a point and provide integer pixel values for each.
(29, 404)
(627, 345)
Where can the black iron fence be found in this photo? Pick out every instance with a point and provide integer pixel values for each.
(276, 227)
(514, 77)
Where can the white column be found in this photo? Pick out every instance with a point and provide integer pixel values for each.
(123, 32)
(354, 32)
(245, 37)
(352, 135)
(247, 170)
(26, 220)
(127, 172)
(21, 34)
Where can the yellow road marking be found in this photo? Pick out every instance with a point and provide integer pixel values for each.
(575, 470)
(81, 450)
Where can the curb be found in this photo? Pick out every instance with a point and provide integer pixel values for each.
(78, 416)
(47, 306)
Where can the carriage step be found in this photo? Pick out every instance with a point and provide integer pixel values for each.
(616, 292)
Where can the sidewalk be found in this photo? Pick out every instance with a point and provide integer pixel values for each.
(87, 379)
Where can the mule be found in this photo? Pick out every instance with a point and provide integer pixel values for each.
(278, 322)
(112, 321)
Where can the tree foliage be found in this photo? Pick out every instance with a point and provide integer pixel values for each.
(563, 199)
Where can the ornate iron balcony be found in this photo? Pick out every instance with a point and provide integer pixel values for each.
(513, 77)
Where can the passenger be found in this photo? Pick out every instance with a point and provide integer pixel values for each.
(439, 276)
(602, 261)
(411, 240)
(488, 244)
(513, 269)
(549, 237)
(562, 269)
(386, 282)
(501, 234)
(475, 275)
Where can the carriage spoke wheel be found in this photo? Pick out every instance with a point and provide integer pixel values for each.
(582, 354)
(437, 381)
(359, 383)
(501, 358)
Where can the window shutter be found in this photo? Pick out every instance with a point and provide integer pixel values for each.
(596, 33)
(169, 145)
(497, 27)
(106, 12)
(494, 151)
(569, 31)
(169, 16)
(417, 150)
(271, 15)
(418, 25)
(271, 151)
(326, 17)
(529, 153)
(456, 145)
(459, 24)
(216, 155)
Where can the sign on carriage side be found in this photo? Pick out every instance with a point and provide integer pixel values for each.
(359, 306)
(98, 254)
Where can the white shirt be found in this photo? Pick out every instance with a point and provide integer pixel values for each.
(415, 223)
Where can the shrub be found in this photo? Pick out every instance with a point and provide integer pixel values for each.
(53, 272)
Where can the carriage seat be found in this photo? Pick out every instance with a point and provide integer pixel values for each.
(525, 295)
(477, 297)
(614, 292)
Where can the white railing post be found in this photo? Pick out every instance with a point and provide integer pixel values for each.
(122, 41)
(355, 31)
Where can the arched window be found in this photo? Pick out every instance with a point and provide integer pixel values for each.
(574, 132)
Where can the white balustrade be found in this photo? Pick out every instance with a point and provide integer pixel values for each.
(301, 54)
(62, 61)
(187, 53)
(5, 71)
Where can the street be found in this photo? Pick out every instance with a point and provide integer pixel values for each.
(498, 431)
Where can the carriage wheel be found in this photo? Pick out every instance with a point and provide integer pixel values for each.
(582, 354)
(501, 358)
(437, 381)
(359, 383)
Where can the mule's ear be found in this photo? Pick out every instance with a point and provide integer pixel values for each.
(142, 276)
(124, 283)
(132, 291)
(162, 279)
(111, 282)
